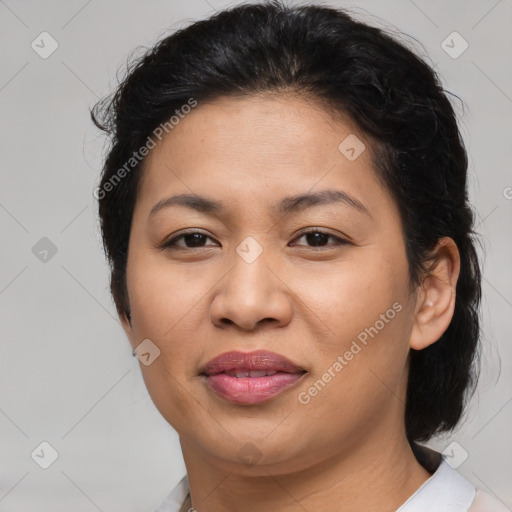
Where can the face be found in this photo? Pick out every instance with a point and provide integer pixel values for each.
(322, 282)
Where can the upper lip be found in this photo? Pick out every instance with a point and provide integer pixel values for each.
(257, 360)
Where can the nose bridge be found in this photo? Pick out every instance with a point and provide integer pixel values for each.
(250, 271)
(251, 281)
(250, 292)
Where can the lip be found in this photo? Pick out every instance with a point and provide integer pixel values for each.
(251, 386)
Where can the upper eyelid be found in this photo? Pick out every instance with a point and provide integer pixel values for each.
(190, 232)
(174, 238)
(339, 239)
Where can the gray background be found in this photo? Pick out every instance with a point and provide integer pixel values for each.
(67, 376)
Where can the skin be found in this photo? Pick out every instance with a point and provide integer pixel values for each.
(346, 449)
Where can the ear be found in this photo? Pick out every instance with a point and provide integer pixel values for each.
(436, 295)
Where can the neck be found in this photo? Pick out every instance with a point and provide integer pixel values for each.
(375, 476)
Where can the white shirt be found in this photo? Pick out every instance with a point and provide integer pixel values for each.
(445, 491)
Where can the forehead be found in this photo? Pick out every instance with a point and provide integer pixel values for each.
(269, 124)
(260, 146)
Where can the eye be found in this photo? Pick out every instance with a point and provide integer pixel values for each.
(319, 238)
(190, 239)
(196, 240)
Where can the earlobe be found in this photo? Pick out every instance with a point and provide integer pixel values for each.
(436, 296)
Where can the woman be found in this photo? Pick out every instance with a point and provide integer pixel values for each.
(285, 213)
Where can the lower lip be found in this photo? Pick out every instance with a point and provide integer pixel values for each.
(251, 390)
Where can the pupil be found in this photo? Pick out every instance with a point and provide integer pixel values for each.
(194, 239)
(316, 238)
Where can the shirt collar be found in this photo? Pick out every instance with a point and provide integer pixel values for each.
(445, 491)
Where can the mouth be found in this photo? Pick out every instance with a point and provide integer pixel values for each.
(250, 377)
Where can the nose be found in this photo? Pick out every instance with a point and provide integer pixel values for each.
(251, 294)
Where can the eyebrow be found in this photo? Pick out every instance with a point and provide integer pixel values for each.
(286, 205)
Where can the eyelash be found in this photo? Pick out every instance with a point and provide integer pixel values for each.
(171, 244)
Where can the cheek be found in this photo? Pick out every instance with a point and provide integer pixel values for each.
(366, 306)
(166, 305)
(164, 296)
(360, 378)
(352, 296)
